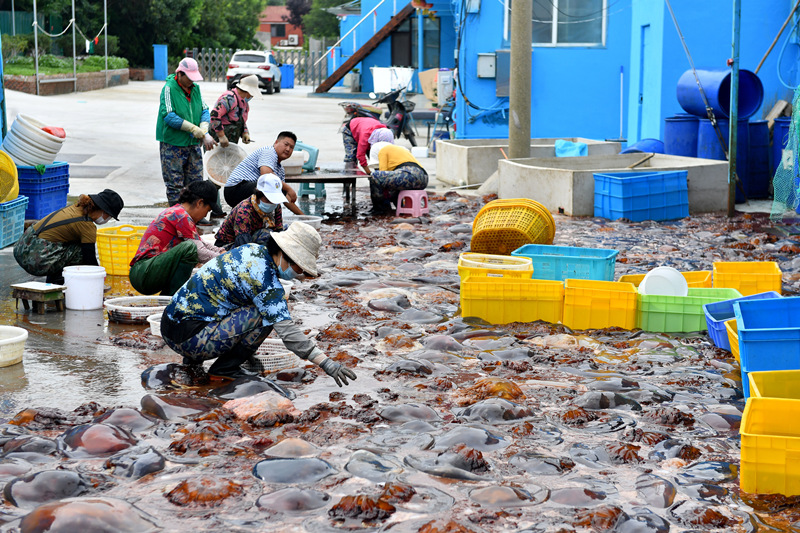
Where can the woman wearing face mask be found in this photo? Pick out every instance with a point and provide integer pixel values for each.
(255, 217)
(228, 307)
(66, 237)
(229, 116)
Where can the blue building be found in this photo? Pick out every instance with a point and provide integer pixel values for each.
(584, 54)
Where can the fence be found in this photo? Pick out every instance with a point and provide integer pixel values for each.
(213, 64)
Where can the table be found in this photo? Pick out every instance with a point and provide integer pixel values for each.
(346, 177)
(40, 294)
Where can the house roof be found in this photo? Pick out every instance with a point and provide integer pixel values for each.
(274, 14)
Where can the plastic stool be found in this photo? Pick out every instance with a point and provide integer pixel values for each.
(317, 190)
(414, 203)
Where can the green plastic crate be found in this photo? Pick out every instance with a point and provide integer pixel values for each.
(675, 314)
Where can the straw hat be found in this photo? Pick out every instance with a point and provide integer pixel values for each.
(250, 85)
(301, 243)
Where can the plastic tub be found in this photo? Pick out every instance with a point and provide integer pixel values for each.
(717, 87)
(718, 313)
(117, 245)
(748, 277)
(494, 266)
(563, 262)
(774, 384)
(676, 314)
(591, 304)
(696, 279)
(504, 300)
(654, 146)
(641, 195)
(314, 222)
(12, 345)
(135, 309)
(664, 281)
(155, 323)
(733, 337)
(504, 225)
(84, 287)
(680, 135)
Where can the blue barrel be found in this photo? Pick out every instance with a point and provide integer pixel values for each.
(680, 135)
(717, 87)
(780, 136)
(708, 147)
(759, 175)
(287, 76)
(160, 62)
(645, 145)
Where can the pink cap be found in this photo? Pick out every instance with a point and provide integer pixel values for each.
(189, 67)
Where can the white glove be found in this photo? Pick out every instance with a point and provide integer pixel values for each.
(204, 127)
(208, 142)
(196, 132)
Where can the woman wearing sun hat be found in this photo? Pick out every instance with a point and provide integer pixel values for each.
(254, 218)
(229, 306)
(67, 236)
(229, 116)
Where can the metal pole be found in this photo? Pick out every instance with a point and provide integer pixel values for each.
(734, 114)
(420, 46)
(105, 34)
(36, 47)
(74, 55)
(519, 123)
(13, 20)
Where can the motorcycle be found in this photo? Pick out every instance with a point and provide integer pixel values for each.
(397, 118)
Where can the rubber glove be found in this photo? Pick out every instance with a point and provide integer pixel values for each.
(223, 141)
(246, 138)
(204, 127)
(289, 192)
(208, 142)
(196, 132)
(339, 373)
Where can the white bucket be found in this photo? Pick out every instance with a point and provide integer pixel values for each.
(85, 285)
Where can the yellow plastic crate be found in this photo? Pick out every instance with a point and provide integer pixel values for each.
(770, 448)
(504, 300)
(502, 226)
(749, 277)
(592, 304)
(698, 279)
(494, 266)
(775, 384)
(116, 247)
(733, 337)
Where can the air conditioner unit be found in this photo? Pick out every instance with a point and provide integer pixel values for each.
(293, 40)
(283, 42)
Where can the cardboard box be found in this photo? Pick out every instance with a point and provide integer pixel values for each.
(428, 79)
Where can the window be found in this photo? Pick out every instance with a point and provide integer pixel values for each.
(404, 43)
(565, 22)
(277, 30)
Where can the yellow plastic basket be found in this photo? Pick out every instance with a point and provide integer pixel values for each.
(502, 226)
(749, 277)
(775, 384)
(733, 337)
(592, 304)
(698, 279)
(493, 266)
(116, 247)
(504, 300)
(770, 447)
(9, 182)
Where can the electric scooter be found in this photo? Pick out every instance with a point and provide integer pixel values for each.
(397, 118)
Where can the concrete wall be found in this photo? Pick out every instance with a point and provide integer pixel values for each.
(566, 185)
(87, 81)
(469, 161)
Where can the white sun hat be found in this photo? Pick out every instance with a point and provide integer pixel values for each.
(250, 84)
(301, 243)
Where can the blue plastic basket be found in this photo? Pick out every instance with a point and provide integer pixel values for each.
(717, 313)
(44, 200)
(641, 196)
(52, 174)
(769, 335)
(12, 215)
(566, 262)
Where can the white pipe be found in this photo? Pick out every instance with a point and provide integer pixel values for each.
(353, 28)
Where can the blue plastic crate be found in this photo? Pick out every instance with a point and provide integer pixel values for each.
(638, 196)
(566, 262)
(53, 174)
(769, 335)
(44, 200)
(718, 312)
(12, 220)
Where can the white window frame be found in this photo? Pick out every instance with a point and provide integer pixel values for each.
(554, 33)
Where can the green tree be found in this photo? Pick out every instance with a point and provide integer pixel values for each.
(318, 22)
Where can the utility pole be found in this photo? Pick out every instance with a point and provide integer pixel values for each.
(519, 120)
(733, 123)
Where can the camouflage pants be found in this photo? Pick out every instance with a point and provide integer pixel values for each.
(350, 145)
(180, 165)
(233, 132)
(384, 185)
(231, 341)
(44, 258)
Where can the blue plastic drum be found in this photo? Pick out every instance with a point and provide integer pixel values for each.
(717, 88)
(680, 135)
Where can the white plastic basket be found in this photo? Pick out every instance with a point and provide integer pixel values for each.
(135, 309)
(155, 324)
(12, 345)
(272, 356)
(311, 220)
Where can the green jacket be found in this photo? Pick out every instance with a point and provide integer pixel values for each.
(174, 100)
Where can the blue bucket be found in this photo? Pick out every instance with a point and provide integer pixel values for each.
(717, 87)
(780, 136)
(759, 175)
(708, 147)
(680, 135)
(645, 145)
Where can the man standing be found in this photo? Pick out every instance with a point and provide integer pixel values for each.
(182, 125)
(242, 182)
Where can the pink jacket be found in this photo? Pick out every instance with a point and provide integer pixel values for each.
(362, 128)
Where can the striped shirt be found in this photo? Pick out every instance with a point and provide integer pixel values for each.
(250, 168)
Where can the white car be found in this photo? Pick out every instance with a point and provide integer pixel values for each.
(262, 64)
